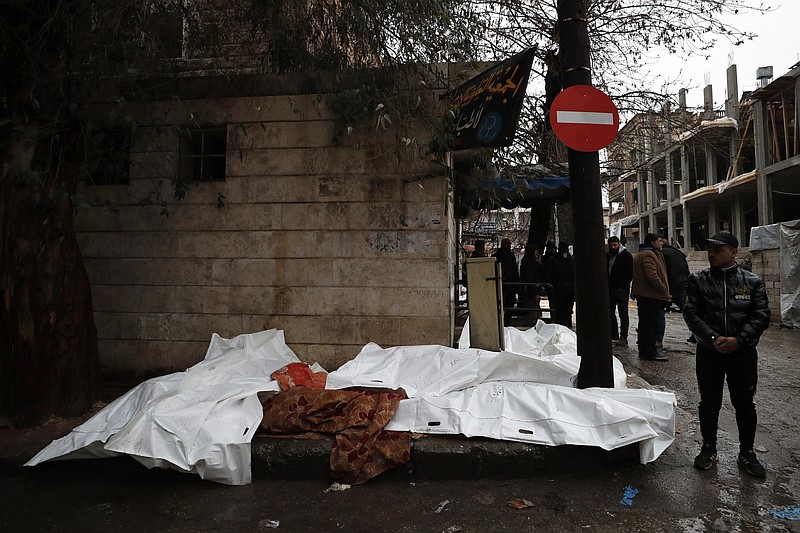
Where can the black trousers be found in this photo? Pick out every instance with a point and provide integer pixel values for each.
(678, 296)
(741, 370)
(562, 298)
(648, 309)
(509, 296)
(619, 303)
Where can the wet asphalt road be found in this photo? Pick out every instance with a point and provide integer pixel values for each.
(121, 495)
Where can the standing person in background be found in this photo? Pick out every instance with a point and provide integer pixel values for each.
(677, 276)
(508, 266)
(727, 311)
(530, 271)
(549, 252)
(560, 273)
(620, 274)
(677, 273)
(479, 251)
(651, 290)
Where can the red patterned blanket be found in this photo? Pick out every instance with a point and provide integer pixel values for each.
(362, 448)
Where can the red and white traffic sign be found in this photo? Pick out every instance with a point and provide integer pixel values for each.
(584, 118)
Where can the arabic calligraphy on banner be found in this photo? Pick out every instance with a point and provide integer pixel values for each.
(487, 106)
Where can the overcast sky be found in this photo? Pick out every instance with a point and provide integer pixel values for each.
(777, 44)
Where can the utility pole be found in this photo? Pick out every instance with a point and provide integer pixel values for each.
(593, 317)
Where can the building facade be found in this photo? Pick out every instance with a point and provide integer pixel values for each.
(277, 226)
(687, 176)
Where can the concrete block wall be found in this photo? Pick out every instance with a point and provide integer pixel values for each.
(337, 244)
(765, 263)
(697, 260)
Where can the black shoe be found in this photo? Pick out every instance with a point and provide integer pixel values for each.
(706, 458)
(750, 463)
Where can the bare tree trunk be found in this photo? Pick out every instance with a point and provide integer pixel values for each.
(49, 362)
(50, 366)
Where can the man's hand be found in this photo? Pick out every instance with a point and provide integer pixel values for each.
(726, 344)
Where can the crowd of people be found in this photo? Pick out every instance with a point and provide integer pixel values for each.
(553, 270)
(724, 306)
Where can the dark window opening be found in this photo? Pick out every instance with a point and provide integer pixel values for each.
(112, 158)
(202, 155)
(167, 31)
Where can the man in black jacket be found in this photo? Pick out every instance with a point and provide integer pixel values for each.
(508, 266)
(727, 310)
(677, 273)
(619, 262)
(677, 276)
(560, 273)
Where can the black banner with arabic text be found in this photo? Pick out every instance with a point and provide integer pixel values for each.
(487, 106)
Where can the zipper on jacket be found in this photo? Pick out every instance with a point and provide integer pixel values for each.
(725, 297)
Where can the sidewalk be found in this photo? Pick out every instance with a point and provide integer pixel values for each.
(432, 456)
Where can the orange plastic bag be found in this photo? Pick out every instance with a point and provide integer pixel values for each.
(299, 375)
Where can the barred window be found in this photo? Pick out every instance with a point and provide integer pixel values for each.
(202, 154)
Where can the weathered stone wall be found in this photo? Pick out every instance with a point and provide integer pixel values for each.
(765, 263)
(697, 260)
(338, 245)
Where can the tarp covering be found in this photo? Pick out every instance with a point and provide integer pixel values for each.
(765, 237)
(722, 122)
(769, 237)
(202, 420)
(547, 414)
(790, 273)
(546, 354)
(630, 220)
(721, 187)
(786, 237)
(525, 393)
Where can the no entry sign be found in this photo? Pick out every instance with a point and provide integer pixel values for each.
(584, 118)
